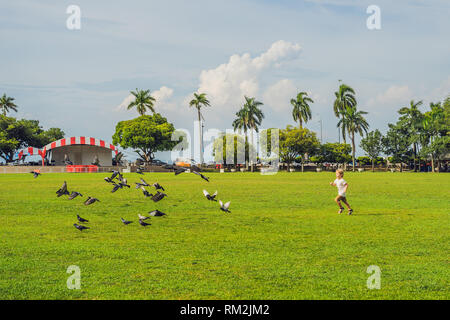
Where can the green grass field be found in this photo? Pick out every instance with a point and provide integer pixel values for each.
(283, 239)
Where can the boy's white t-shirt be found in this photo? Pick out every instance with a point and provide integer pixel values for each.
(340, 184)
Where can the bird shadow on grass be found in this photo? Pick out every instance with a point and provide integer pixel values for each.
(378, 214)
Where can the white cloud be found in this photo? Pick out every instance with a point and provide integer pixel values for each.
(229, 82)
(394, 95)
(278, 96)
(442, 91)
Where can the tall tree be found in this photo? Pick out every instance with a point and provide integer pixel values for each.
(142, 101)
(301, 111)
(296, 142)
(146, 134)
(7, 104)
(345, 98)
(198, 102)
(396, 144)
(255, 117)
(435, 133)
(412, 119)
(242, 123)
(372, 146)
(353, 122)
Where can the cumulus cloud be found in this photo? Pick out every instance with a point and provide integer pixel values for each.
(392, 96)
(278, 96)
(226, 84)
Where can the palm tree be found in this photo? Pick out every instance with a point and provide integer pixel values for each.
(301, 111)
(255, 116)
(413, 118)
(142, 101)
(345, 98)
(242, 123)
(353, 122)
(7, 104)
(198, 102)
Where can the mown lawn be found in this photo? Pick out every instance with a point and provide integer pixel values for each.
(283, 239)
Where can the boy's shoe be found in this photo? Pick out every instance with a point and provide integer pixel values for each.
(340, 210)
(350, 211)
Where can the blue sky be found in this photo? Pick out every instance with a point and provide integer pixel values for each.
(79, 80)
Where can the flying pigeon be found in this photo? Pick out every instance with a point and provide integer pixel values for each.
(90, 200)
(116, 187)
(179, 170)
(108, 179)
(125, 221)
(224, 207)
(144, 183)
(81, 219)
(156, 213)
(158, 186)
(139, 171)
(143, 217)
(35, 173)
(209, 196)
(80, 227)
(202, 176)
(123, 184)
(63, 190)
(74, 194)
(158, 196)
(144, 224)
(116, 174)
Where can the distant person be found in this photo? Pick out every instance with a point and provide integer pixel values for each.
(342, 187)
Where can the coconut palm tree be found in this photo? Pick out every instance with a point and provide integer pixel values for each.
(255, 116)
(413, 119)
(353, 122)
(142, 101)
(7, 104)
(242, 123)
(345, 98)
(198, 102)
(301, 111)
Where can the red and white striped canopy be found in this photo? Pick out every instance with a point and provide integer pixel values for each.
(32, 152)
(80, 140)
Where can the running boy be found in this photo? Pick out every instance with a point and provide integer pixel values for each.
(342, 186)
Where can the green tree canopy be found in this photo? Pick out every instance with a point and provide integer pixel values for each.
(396, 143)
(372, 145)
(296, 142)
(333, 153)
(16, 134)
(146, 134)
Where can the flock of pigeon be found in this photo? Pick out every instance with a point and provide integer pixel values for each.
(118, 181)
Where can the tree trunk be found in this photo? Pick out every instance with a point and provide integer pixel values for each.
(300, 123)
(415, 156)
(353, 150)
(302, 164)
(200, 133)
(373, 165)
(249, 148)
(432, 163)
(245, 150)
